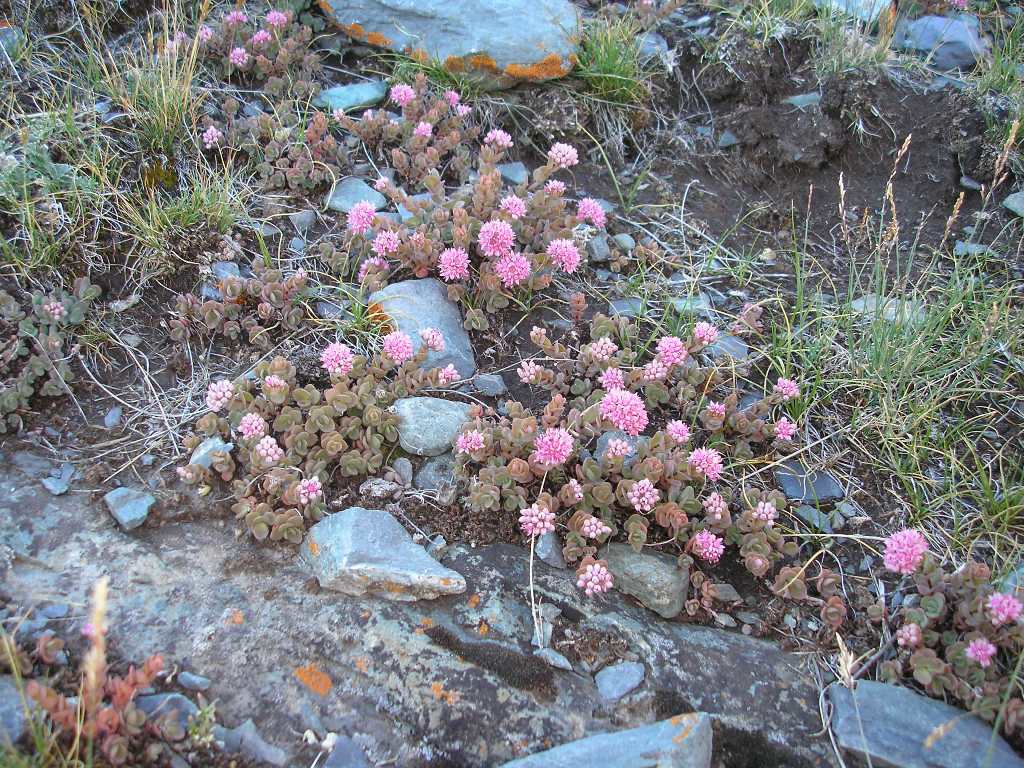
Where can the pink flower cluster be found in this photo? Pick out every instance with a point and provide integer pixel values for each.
(402, 94)
(274, 382)
(555, 188)
(212, 136)
(310, 490)
(617, 448)
(552, 447)
(904, 551)
(277, 19)
(496, 238)
(643, 496)
(397, 346)
(908, 636)
(590, 210)
(498, 138)
(603, 348)
(787, 388)
(563, 155)
(784, 429)
(707, 546)
(576, 489)
(1003, 609)
(564, 253)
(360, 217)
(594, 579)
(705, 333)
(528, 372)
(715, 508)
(536, 520)
(765, 512)
(981, 651)
(453, 264)
(671, 350)
(234, 18)
(716, 409)
(238, 57)
(252, 425)
(469, 442)
(268, 451)
(373, 263)
(424, 130)
(679, 431)
(261, 37)
(612, 379)
(708, 462)
(433, 338)
(512, 268)
(594, 528)
(656, 370)
(513, 206)
(448, 375)
(452, 98)
(337, 359)
(55, 309)
(218, 394)
(386, 242)
(625, 410)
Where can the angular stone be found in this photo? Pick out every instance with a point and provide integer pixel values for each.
(549, 549)
(699, 305)
(404, 214)
(894, 727)
(815, 518)
(13, 722)
(625, 241)
(892, 309)
(352, 96)
(655, 579)
(598, 249)
(867, 11)
(160, 704)
(436, 472)
(490, 384)
(302, 220)
(403, 468)
(367, 552)
(348, 192)
(129, 506)
(628, 306)
(193, 682)
(652, 46)
(58, 483)
(413, 305)
(1015, 203)
(514, 173)
(113, 417)
(811, 487)
(728, 139)
(616, 681)
(553, 658)
(729, 346)
(427, 426)
(495, 42)
(202, 456)
(346, 754)
(250, 743)
(683, 741)
(947, 42)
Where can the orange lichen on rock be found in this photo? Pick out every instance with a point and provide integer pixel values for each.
(420, 55)
(354, 30)
(474, 600)
(449, 697)
(314, 548)
(315, 679)
(376, 38)
(362, 664)
(688, 722)
(547, 68)
(482, 61)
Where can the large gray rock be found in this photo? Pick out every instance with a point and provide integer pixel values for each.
(367, 552)
(436, 472)
(1015, 203)
(948, 42)
(894, 727)
(158, 705)
(683, 741)
(656, 580)
(12, 712)
(496, 42)
(347, 192)
(616, 681)
(414, 305)
(867, 11)
(352, 96)
(129, 506)
(427, 426)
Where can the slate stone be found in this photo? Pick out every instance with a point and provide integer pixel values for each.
(625, 241)
(514, 173)
(815, 518)
(549, 549)
(193, 682)
(1015, 204)
(352, 96)
(113, 417)
(427, 426)
(436, 472)
(490, 384)
(598, 249)
(804, 100)
(947, 42)
(403, 468)
(404, 214)
(31, 465)
(961, 248)
(129, 506)
(683, 741)
(601, 449)
(968, 183)
(12, 40)
(13, 722)
(728, 139)
(348, 192)
(892, 309)
(413, 305)
(616, 681)
(202, 456)
(729, 346)
(297, 245)
(346, 754)
(553, 658)
(58, 483)
(699, 305)
(867, 11)
(367, 552)
(655, 579)
(810, 487)
(652, 46)
(160, 704)
(894, 727)
(626, 307)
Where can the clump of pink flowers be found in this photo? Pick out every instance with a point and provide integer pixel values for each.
(564, 253)
(716, 409)
(375, 263)
(679, 431)
(234, 18)
(514, 206)
(453, 264)
(310, 490)
(594, 578)
(625, 410)
(512, 268)
(766, 513)
(981, 651)
(908, 636)
(563, 155)
(611, 379)
(528, 372)
(705, 333)
(708, 462)
(787, 388)
(785, 429)
(452, 98)
(498, 138)
(274, 382)
(212, 137)
(337, 359)
(424, 130)
(218, 394)
(56, 310)
(402, 94)
(1003, 609)
(536, 520)
(386, 242)
(590, 210)
(618, 448)
(671, 351)
(555, 188)
(433, 338)
(470, 441)
(905, 550)
(448, 375)
(269, 451)
(238, 57)
(261, 37)
(603, 348)
(707, 546)
(252, 425)
(643, 495)
(496, 238)
(594, 528)
(277, 19)
(715, 507)
(656, 370)
(360, 218)
(552, 447)
(397, 346)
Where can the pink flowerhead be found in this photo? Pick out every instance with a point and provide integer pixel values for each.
(452, 97)
(212, 136)
(787, 388)
(56, 310)
(310, 490)
(707, 546)
(463, 109)
(705, 333)
(536, 520)
(498, 138)
(555, 188)
(625, 410)
(402, 94)
(594, 528)
(337, 359)
(981, 651)
(234, 18)
(679, 431)
(529, 372)
(360, 218)
(513, 206)
(576, 489)
(496, 238)
(385, 242)
(261, 37)
(469, 442)
(765, 512)
(784, 429)
(269, 451)
(512, 268)
(433, 338)
(908, 636)
(382, 182)
(643, 496)
(238, 57)
(424, 130)
(205, 34)
(564, 253)
(252, 425)
(905, 550)
(552, 447)
(716, 409)
(563, 155)
(656, 370)
(218, 394)
(617, 448)
(715, 507)
(671, 350)
(374, 263)
(448, 375)
(612, 379)
(603, 348)
(594, 579)
(397, 346)
(590, 210)
(708, 462)
(453, 264)
(1003, 609)
(277, 19)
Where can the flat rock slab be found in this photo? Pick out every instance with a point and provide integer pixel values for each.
(948, 42)
(496, 42)
(894, 727)
(427, 426)
(353, 96)
(348, 192)
(367, 552)
(129, 506)
(683, 741)
(656, 580)
(808, 486)
(616, 681)
(414, 305)
(13, 722)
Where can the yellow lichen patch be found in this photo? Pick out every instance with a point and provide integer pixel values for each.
(420, 55)
(449, 697)
(354, 30)
(547, 68)
(376, 38)
(314, 548)
(363, 664)
(688, 722)
(474, 600)
(315, 679)
(483, 628)
(455, 64)
(395, 588)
